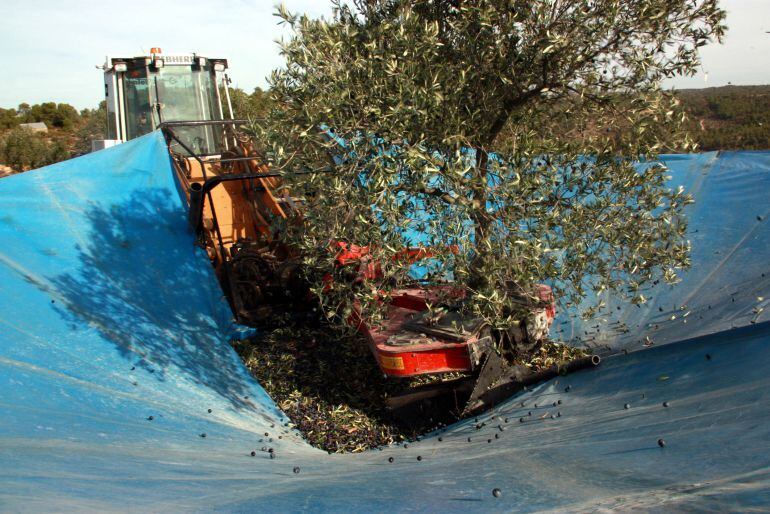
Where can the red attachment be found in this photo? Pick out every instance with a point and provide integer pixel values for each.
(351, 254)
(348, 253)
(545, 294)
(400, 351)
(423, 354)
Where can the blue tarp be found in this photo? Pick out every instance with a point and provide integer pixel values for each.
(114, 362)
(728, 282)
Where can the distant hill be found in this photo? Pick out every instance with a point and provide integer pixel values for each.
(729, 117)
(721, 118)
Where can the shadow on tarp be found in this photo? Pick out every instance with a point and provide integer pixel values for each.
(101, 282)
(143, 294)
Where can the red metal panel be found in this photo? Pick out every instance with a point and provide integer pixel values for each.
(408, 363)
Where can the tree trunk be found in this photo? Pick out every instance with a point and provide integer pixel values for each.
(481, 222)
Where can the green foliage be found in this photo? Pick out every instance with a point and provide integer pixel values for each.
(93, 125)
(8, 119)
(23, 149)
(23, 110)
(422, 92)
(61, 115)
(725, 118)
(56, 151)
(729, 118)
(69, 133)
(249, 106)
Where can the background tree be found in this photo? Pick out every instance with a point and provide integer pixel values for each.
(22, 149)
(54, 115)
(93, 125)
(423, 92)
(730, 117)
(23, 110)
(56, 151)
(249, 106)
(8, 119)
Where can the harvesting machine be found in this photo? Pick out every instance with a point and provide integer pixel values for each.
(234, 198)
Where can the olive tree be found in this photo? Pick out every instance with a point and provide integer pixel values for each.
(249, 105)
(516, 138)
(22, 149)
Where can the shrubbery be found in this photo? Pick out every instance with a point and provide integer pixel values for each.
(22, 149)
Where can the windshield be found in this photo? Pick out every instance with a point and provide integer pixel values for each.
(173, 93)
(188, 94)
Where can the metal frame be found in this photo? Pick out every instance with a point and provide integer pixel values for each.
(202, 192)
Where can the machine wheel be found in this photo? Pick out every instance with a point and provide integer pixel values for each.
(266, 282)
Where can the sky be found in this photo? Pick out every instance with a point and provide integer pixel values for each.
(51, 47)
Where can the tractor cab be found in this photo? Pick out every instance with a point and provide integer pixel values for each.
(143, 92)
